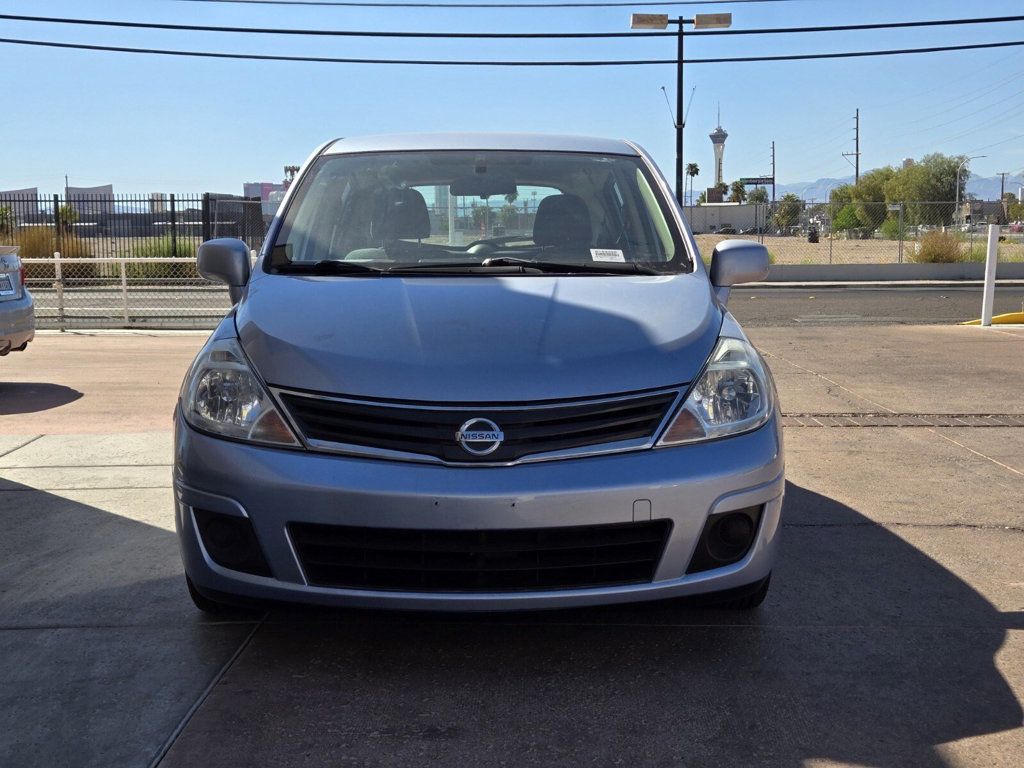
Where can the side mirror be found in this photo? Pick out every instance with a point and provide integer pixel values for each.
(225, 260)
(737, 261)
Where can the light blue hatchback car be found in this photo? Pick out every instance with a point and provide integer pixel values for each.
(478, 372)
(17, 310)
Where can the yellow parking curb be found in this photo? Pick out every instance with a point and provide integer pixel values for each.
(1009, 318)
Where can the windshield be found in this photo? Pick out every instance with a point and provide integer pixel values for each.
(473, 209)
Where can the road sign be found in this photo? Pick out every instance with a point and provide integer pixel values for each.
(757, 181)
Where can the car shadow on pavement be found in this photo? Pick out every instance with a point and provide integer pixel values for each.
(867, 651)
(101, 651)
(33, 397)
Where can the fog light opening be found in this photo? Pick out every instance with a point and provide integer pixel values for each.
(730, 536)
(726, 539)
(231, 542)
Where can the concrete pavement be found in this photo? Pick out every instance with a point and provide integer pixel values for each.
(893, 634)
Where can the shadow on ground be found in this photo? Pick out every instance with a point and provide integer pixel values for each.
(34, 397)
(867, 651)
(101, 651)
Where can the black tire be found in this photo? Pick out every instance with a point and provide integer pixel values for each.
(749, 601)
(213, 607)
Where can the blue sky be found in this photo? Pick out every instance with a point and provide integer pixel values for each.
(148, 123)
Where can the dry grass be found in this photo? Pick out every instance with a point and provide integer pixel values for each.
(796, 250)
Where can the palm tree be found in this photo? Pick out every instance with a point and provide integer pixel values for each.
(737, 192)
(692, 170)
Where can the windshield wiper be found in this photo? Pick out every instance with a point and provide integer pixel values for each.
(600, 268)
(327, 267)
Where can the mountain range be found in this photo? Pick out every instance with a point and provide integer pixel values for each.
(982, 187)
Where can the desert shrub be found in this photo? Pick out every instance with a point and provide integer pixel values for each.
(41, 242)
(938, 248)
(164, 248)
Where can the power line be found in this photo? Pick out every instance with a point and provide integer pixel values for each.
(968, 98)
(510, 63)
(497, 35)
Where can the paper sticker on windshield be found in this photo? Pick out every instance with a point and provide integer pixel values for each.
(606, 254)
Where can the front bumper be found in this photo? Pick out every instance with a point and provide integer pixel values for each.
(17, 322)
(274, 487)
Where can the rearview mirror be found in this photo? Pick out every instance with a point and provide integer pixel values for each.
(225, 260)
(483, 185)
(737, 261)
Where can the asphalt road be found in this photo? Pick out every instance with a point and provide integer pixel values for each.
(201, 307)
(854, 306)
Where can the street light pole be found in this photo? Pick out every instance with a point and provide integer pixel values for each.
(661, 21)
(956, 205)
(680, 117)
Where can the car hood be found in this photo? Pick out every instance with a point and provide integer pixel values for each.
(478, 339)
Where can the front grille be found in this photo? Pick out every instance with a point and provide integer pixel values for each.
(479, 560)
(431, 431)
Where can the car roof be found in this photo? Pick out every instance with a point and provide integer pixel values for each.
(482, 141)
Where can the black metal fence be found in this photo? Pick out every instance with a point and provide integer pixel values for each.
(101, 260)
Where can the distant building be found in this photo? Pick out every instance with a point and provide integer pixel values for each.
(718, 137)
(158, 202)
(24, 203)
(714, 195)
(269, 192)
(907, 162)
(92, 201)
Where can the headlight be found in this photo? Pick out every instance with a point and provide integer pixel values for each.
(222, 395)
(733, 395)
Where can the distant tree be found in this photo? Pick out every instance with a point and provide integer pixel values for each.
(931, 179)
(478, 215)
(6, 220)
(737, 192)
(787, 211)
(758, 195)
(702, 198)
(68, 217)
(869, 196)
(692, 172)
(846, 219)
(839, 198)
(508, 216)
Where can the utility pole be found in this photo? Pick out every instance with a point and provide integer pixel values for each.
(773, 173)
(856, 147)
(680, 120)
(1002, 183)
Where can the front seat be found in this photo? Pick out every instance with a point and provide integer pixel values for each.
(563, 221)
(405, 217)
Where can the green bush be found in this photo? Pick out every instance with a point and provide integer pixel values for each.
(42, 242)
(164, 248)
(846, 219)
(938, 248)
(891, 229)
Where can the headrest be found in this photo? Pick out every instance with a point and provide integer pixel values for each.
(562, 220)
(405, 216)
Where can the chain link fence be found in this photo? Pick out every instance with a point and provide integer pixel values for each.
(802, 232)
(129, 260)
